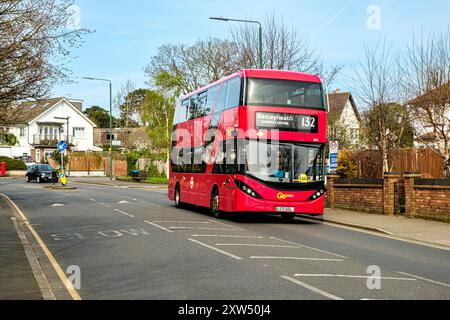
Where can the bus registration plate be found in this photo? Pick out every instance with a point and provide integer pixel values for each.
(285, 209)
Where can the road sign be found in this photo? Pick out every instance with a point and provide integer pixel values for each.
(334, 147)
(334, 156)
(62, 146)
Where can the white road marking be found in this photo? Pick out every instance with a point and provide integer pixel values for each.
(123, 202)
(254, 245)
(92, 199)
(296, 258)
(227, 225)
(58, 205)
(206, 229)
(105, 205)
(311, 248)
(313, 289)
(186, 222)
(216, 249)
(158, 226)
(425, 279)
(350, 276)
(124, 213)
(225, 236)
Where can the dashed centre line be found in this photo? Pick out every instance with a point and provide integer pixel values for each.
(351, 277)
(206, 229)
(124, 213)
(216, 249)
(296, 258)
(158, 226)
(186, 222)
(255, 245)
(225, 236)
(311, 248)
(424, 279)
(311, 288)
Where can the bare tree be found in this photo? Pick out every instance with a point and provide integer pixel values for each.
(190, 67)
(426, 71)
(376, 85)
(35, 41)
(186, 68)
(127, 103)
(283, 49)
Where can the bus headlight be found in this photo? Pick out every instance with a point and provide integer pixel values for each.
(247, 189)
(317, 195)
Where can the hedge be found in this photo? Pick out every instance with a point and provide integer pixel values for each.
(12, 164)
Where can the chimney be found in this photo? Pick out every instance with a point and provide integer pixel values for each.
(337, 90)
(77, 104)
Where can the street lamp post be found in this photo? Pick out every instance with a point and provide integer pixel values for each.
(260, 34)
(110, 122)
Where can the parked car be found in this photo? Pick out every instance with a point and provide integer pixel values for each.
(41, 173)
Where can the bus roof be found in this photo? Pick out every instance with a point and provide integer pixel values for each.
(265, 74)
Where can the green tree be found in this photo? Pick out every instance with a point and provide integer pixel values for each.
(8, 139)
(157, 114)
(98, 115)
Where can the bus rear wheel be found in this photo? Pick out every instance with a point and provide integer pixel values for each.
(215, 204)
(177, 197)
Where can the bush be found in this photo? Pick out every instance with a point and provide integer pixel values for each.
(132, 160)
(12, 164)
(153, 172)
(347, 169)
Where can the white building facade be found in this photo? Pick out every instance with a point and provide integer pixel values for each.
(42, 124)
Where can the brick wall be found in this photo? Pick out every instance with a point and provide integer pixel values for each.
(359, 198)
(427, 198)
(431, 198)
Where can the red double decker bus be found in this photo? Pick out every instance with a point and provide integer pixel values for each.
(252, 142)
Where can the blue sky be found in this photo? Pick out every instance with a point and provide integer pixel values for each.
(128, 33)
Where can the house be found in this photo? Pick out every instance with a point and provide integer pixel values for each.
(430, 117)
(42, 124)
(131, 139)
(343, 110)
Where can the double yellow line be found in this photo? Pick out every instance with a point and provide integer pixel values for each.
(72, 291)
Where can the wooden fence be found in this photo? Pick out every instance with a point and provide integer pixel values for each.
(423, 161)
(95, 163)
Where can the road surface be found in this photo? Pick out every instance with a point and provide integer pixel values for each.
(131, 243)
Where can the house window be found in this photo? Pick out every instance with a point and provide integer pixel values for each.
(78, 133)
(38, 155)
(22, 132)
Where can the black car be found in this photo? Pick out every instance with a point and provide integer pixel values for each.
(41, 173)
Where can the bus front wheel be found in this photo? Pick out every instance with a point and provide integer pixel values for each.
(288, 217)
(215, 204)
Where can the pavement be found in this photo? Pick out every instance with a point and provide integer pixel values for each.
(426, 231)
(131, 243)
(17, 280)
